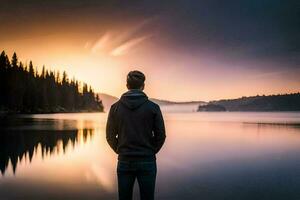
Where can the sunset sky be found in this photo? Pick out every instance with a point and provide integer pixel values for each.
(188, 50)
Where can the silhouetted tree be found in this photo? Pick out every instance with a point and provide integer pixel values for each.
(24, 90)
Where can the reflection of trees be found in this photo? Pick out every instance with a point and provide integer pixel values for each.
(18, 144)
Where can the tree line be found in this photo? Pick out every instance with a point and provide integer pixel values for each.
(280, 102)
(25, 90)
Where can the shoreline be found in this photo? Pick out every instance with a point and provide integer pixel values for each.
(4, 114)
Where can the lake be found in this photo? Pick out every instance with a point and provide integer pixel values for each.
(227, 155)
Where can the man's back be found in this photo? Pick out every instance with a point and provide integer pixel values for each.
(135, 127)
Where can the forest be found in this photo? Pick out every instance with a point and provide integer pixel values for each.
(280, 102)
(26, 90)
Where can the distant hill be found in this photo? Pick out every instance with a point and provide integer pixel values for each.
(107, 100)
(281, 102)
(161, 102)
(166, 105)
(167, 102)
(175, 106)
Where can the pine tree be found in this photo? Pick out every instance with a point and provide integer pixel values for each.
(24, 90)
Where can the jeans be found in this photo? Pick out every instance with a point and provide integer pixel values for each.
(143, 171)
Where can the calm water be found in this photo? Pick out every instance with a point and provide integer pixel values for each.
(206, 156)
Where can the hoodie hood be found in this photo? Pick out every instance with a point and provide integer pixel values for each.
(133, 98)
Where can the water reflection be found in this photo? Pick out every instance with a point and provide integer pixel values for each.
(206, 156)
(16, 145)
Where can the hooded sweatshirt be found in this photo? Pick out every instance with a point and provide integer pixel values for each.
(135, 127)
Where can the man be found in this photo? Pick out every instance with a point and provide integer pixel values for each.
(135, 131)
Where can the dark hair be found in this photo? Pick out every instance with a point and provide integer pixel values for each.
(135, 79)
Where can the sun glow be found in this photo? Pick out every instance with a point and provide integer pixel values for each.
(102, 59)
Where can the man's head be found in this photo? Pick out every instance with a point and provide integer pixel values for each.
(135, 80)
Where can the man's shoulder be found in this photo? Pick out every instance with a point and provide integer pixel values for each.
(153, 104)
(114, 105)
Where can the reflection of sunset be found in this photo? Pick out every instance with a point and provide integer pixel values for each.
(81, 162)
(95, 162)
(74, 161)
(214, 138)
(71, 160)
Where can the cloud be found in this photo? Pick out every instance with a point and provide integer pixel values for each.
(101, 43)
(125, 35)
(119, 42)
(126, 46)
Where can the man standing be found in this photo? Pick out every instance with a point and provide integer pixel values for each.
(135, 131)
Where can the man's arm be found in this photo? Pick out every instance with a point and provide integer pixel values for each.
(111, 131)
(159, 130)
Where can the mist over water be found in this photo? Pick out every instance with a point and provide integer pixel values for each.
(224, 155)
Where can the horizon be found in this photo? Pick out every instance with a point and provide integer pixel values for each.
(189, 51)
(278, 94)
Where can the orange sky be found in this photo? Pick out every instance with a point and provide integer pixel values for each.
(168, 75)
(101, 51)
